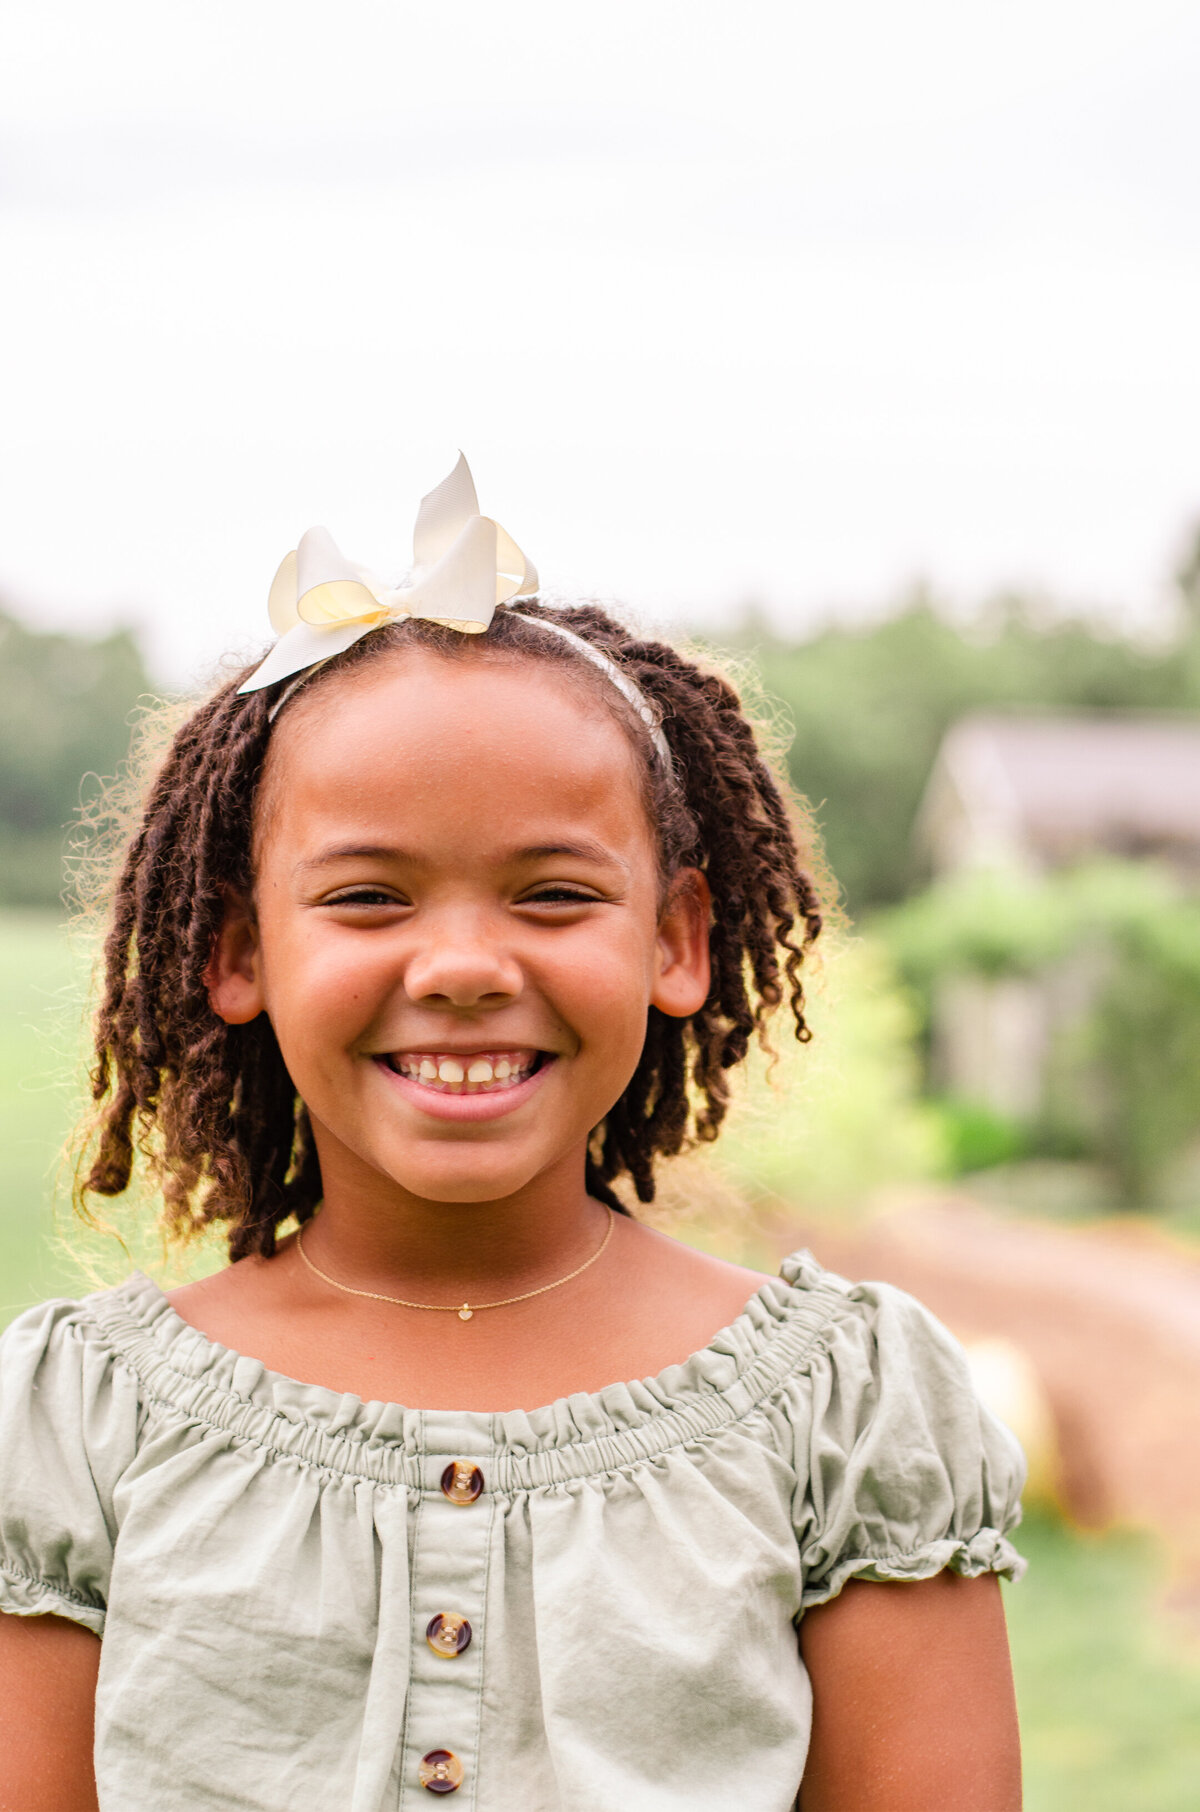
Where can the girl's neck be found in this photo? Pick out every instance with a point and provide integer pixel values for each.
(372, 1234)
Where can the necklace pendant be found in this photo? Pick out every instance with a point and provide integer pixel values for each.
(466, 1312)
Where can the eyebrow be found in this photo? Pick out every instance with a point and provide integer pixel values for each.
(583, 849)
(344, 852)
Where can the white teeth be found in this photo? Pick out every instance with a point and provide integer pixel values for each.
(460, 1075)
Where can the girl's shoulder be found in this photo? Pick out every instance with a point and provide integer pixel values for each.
(70, 1418)
(904, 1470)
(63, 1351)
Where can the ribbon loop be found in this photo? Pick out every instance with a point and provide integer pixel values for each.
(441, 515)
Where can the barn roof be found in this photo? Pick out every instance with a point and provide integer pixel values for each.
(1061, 788)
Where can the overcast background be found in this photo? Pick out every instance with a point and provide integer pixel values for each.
(775, 301)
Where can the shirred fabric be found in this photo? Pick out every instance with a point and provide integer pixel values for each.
(263, 1556)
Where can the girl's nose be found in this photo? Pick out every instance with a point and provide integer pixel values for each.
(459, 966)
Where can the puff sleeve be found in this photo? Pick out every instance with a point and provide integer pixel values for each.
(902, 1470)
(68, 1430)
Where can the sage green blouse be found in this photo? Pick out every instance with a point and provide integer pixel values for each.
(311, 1602)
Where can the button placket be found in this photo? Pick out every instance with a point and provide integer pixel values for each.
(448, 1587)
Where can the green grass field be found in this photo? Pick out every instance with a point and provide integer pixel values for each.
(44, 1249)
(1109, 1697)
(40, 1013)
(1110, 1702)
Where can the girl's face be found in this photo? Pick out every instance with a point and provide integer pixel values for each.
(456, 927)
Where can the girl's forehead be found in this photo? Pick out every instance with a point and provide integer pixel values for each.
(452, 749)
(413, 691)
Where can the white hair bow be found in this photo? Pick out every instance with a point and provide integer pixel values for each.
(464, 564)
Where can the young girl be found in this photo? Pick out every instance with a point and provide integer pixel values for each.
(447, 918)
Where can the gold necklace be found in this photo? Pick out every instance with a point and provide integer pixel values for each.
(449, 1308)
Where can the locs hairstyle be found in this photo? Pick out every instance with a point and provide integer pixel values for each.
(211, 1106)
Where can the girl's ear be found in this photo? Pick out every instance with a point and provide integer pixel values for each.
(234, 973)
(681, 964)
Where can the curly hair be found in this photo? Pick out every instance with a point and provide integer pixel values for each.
(211, 1106)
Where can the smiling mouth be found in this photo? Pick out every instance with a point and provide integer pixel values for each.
(458, 1073)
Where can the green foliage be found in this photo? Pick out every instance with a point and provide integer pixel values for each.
(870, 708)
(998, 921)
(830, 1122)
(1146, 1036)
(1127, 1080)
(977, 1138)
(65, 705)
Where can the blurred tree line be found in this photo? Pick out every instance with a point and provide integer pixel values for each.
(65, 709)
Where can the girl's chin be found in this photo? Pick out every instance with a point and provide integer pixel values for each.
(466, 1109)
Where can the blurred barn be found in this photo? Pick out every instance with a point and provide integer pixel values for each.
(1027, 795)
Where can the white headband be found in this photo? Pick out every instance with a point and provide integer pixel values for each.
(464, 566)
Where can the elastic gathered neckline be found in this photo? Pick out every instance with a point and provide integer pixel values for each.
(575, 1437)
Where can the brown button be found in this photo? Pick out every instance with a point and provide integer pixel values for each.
(441, 1771)
(448, 1634)
(462, 1482)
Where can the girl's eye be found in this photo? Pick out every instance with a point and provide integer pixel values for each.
(364, 896)
(559, 895)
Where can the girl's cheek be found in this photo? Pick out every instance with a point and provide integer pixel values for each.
(309, 987)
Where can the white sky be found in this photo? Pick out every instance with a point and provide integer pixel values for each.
(772, 300)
